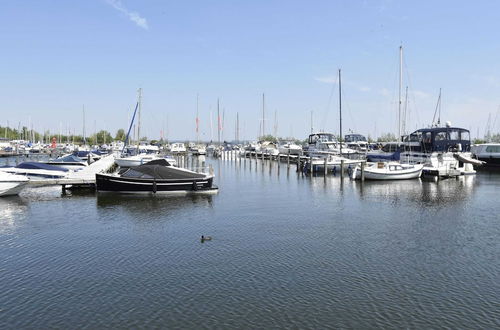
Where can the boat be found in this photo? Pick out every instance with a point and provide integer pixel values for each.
(129, 161)
(37, 170)
(388, 171)
(356, 142)
(333, 164)
(11, 184)
(157, 176)
(445, 151)
(489, 153)
(69, 161)
(178, 148)
(390, 151)
(290, 148)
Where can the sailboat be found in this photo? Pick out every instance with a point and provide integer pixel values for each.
(392, 170)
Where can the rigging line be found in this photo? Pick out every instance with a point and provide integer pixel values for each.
(348, 106)
(410, 85)
(330, 99)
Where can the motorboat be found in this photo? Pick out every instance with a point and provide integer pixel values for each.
(333, 164)
(290, 148)
(11, 184)
(198, 150)
(157, 176)
(269, 148)
(356, 142)
(488, 153)
(69, 161)
(390, 151)
(129, 161)
(178, 148)
(37, 170)
(322, 144)
(445, 151)
(389, 171)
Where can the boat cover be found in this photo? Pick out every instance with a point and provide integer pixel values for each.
(159, 169)
(41, 166)
(68, 159)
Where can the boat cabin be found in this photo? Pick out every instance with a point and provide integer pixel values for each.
(440, 139)
(321, 137)
(354, 138)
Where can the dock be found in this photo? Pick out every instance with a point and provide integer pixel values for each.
(80, 179)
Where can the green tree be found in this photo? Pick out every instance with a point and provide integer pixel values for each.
(120, 135)
(387, 137)
(269, 138)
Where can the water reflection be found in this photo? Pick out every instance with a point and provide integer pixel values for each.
(152, 206)
(419, 191)
(11, 208)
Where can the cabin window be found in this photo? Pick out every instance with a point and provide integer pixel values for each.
(416, 137)
(465, 135)
(493, 149)
(454, 135)
(440, 136)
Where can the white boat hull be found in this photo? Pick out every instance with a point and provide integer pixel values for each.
(407, 172)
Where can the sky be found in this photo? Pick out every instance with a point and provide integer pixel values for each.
(60, 56)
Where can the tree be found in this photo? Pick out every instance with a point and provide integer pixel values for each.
(387, 137)
(269, 138)
(120, 135)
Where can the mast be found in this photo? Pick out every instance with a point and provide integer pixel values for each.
(197, 121)
(139, 120)
(84, 139)
(340, 112)
(238, 126)
(405, 111)
(312, 128)
(218, 122)
(263, 115)
(400, 88)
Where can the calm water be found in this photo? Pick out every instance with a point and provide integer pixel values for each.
(287, 251)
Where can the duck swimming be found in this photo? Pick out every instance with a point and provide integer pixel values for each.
(205, 238)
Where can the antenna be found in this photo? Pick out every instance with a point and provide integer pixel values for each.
(438, 107)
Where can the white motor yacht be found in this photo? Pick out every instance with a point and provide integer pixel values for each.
(11, 184)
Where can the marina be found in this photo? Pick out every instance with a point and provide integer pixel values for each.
(249, 165)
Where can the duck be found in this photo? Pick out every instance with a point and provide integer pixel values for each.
(205, 238)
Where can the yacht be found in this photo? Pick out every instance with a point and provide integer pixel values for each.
(389, 171)
(290, 148)
(37, 170)
(178, 148)
(11, 184)
(488, 153)
(322, 144)
(444, 150)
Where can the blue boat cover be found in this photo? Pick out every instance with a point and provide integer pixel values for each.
(40, 166)
(68, 159)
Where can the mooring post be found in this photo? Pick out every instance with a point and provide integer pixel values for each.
(326, 167)
(362, 171)
(288, 160)
(342, 169)
(311, 168)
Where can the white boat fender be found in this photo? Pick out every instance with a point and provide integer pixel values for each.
(472, 161)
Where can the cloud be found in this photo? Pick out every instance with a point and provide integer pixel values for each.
(133, 16)
(420, 94)
(327, 80)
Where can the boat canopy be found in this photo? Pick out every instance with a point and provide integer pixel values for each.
(322, 137)
(40, 166)
(68, 159)
(159, 169)
(441, 138)
(354, 138)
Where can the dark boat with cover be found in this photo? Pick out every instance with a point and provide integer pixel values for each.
(157, 176)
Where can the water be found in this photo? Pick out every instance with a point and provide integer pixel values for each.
(288, 251)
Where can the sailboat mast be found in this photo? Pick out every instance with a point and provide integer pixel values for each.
(238, 126)
(312, 128)
(139, 119)
(263, 115)
(218, 122)
(84, 139)
(400, 87)
(340, 113)
(197, 129)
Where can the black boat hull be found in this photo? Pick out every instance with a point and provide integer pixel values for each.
(110, 183)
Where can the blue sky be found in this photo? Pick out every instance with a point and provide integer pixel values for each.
(59, 55)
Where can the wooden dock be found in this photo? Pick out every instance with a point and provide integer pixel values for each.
(79, 179)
